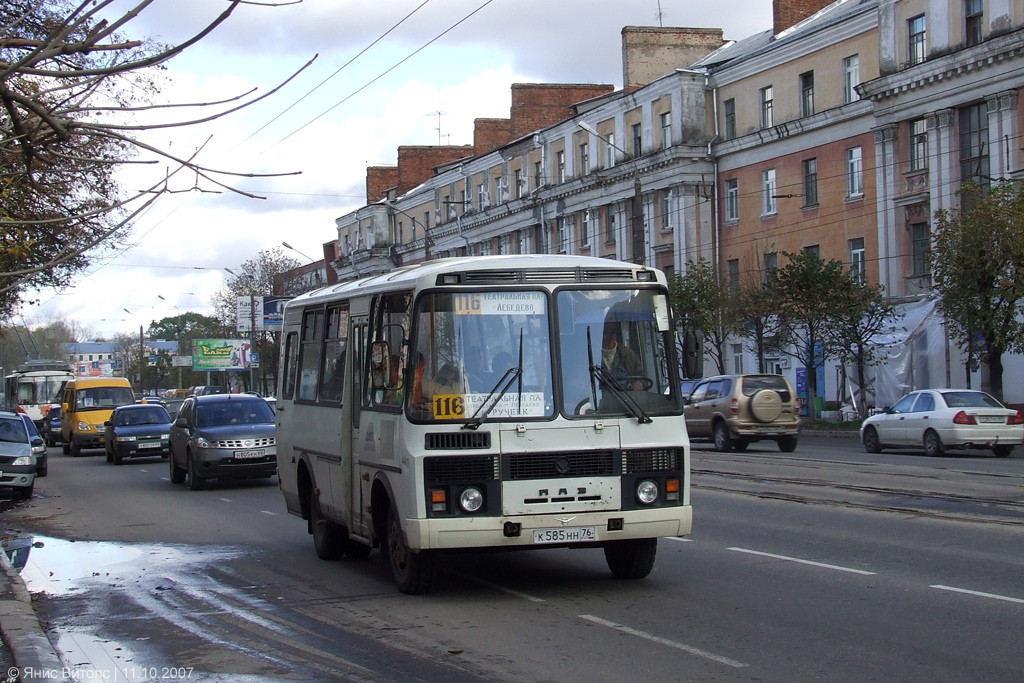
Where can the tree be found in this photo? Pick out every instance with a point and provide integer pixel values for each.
(810, 291)
(755, 309)
(184, 328)
(255, 278)
(702, 298)
(977, 263)
(855, 325)
(72, 91)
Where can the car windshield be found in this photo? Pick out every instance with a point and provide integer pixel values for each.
(145, 416)
(13, 431)
(223, 413)
(970, 399)
(96, 398)
(31, 427)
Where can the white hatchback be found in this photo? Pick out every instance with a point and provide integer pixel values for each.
(938, 419)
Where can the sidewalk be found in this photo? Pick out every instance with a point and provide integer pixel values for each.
(23, 634)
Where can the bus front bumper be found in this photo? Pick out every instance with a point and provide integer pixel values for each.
(579, 529)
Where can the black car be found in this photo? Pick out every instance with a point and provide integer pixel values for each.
(140, 430)
(50, 431)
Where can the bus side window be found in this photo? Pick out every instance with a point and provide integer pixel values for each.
(309, 362)
(291, 364)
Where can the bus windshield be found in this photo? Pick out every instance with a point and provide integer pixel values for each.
(96, 398)
(615, 353)
(467, 348)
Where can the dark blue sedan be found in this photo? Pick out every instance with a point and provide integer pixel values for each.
(140, 430)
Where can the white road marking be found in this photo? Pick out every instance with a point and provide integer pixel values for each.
(268, 512)
(663, 641)
(796, 559)
(978, 593)
(226, 500)
(503, 589)
(678, 539)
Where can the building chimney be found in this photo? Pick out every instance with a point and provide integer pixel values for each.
(787, 13)
(650, 52)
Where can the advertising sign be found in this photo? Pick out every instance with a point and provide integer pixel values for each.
(273, 312)
(220, 354)
(244, 315)
(99, 368)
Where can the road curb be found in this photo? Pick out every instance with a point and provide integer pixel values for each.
(831, 433)
(34, 654)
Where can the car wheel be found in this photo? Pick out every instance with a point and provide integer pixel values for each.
(932, 444)
(177, 473)
(766, 405)
(41, 472)
(723, 440)
(50, 440)
(413, 572)
(26, 492)
(1002, 451)
(118, 459)
(65, 448)
(76, 450)
(195, 481)
(787, 444)
(110, 455)
(872, 444)
(328, 538)
(631, 559)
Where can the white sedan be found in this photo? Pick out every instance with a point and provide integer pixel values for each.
(937, 419)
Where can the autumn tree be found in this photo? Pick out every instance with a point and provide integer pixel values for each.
(977, 264)
(754, 309)
(183, 328)
(702, 299)
(77, 106)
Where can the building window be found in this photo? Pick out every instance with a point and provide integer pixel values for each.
(974, 26)
(919, 243)
(768, 205)
(564, 225)
(585, 228)
(851, 78)
(609, 150)
(638, 140)
(737, 358)
(584, 159)
(807, 94)
(813, 249)
(426, 220)
(732, 199)
(401, 233)
(767, 117)
(730, 119)
(666, 210)
(771, 265)
(974, 148)
(666, 129)
(609, 226)
(857, 265)
(918, 145)
(560, 166)
(854, 173)
(481, 197)
(732, 268)
(916, 45)
(517, 178)
(495, 190)
(810, 167)
(538, 175)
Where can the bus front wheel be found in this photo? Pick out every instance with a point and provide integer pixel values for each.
(413, 571)
(631, 559)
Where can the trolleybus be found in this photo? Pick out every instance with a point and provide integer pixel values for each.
(35, 385)
(484, 403)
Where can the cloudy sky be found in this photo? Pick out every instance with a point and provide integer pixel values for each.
(456, 57)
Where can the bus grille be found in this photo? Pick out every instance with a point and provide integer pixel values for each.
(652, 460)
(454, 441)
(548, 465)
(444, 470)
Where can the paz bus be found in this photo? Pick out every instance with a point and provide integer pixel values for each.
(35, 385)
(493, 402)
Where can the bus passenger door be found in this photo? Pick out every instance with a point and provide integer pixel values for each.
(353, 438)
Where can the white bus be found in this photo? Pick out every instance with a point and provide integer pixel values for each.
(488, 402)
(35, 386)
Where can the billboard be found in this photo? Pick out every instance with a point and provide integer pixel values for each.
(269, 313)
(220, 354)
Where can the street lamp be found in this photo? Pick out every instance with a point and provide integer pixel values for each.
(142, 352)
(637, 231)
(316, 273)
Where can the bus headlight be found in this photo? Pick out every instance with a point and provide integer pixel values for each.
(84, 427)
(471, 499)
(647, 492)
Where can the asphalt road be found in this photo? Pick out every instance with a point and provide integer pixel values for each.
(824, 564)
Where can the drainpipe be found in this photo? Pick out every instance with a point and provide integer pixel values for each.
(714, 210)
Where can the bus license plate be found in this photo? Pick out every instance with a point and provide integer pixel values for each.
(243, 455)
(571, 534)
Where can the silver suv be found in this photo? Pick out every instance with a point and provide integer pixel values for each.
(735, 410)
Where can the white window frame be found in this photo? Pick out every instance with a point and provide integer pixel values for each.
(585, 228)
(769, 205)
(666, 130)
(584, 148)
(767, 107)
(851, 78)
(609, 150)
(858, 264)
(732, 199)
(854, 173)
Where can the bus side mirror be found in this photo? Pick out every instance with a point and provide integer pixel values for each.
(693, 355)
(380, 365)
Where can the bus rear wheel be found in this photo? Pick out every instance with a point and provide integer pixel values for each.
(413, 571)
(631, 559)
(328, 538)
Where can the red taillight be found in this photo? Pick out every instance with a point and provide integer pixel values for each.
(962, 418)
(735, 407)
(1017, 419)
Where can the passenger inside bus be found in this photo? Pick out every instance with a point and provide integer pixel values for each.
(425, 387)
(620, 360)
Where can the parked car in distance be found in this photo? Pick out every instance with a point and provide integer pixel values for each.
(173, 405)
(156, 400)
(51, 426)
(940, 419)
(736, 410)
(38, 446)
(223, 436)
(140, 430)
(207, 390)
(17, 462)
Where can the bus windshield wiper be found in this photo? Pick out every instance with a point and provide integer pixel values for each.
(600, 373)
(501, 387)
